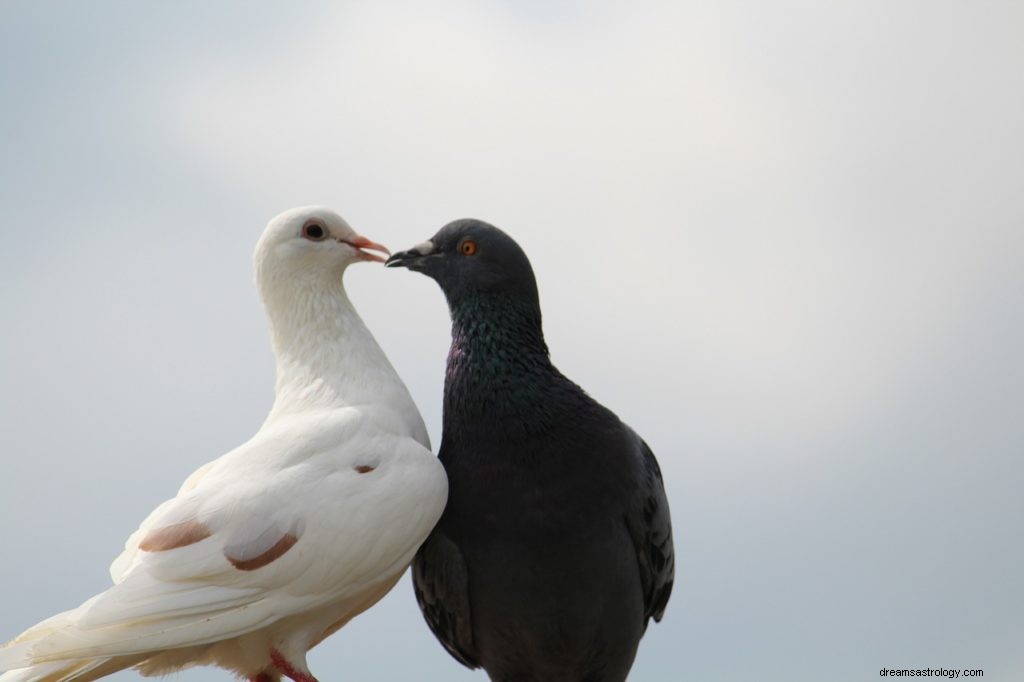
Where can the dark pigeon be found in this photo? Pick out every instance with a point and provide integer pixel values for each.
(555, 549)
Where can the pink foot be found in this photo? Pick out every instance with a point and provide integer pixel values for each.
(288, 670)
(262, 677)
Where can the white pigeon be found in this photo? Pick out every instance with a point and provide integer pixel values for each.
(274, 546)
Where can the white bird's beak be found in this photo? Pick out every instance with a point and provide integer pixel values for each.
(359, 242)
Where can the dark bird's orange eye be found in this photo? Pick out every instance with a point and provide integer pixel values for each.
(467, 247)
(314, 231)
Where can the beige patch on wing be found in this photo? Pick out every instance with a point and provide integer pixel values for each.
(174, 536)
(273, 554)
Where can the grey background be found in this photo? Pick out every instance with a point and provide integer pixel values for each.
(782, 240)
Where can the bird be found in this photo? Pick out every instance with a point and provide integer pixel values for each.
(277, 544)
(555, 549)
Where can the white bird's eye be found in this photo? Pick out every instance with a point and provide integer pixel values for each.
(314, 231)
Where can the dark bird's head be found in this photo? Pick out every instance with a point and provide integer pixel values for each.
(470, 258)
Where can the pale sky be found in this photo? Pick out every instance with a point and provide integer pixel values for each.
(782, 240)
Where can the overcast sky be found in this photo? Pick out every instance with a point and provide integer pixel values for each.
(783, 240)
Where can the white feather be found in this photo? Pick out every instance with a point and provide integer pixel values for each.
(340, 475)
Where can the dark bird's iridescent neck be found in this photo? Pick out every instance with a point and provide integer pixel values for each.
(499, 374)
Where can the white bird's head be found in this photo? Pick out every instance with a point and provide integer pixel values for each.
(311, 241)
(319, 340)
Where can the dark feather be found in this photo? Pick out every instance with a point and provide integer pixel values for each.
(442, 591)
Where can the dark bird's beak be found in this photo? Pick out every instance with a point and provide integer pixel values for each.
(412, 258)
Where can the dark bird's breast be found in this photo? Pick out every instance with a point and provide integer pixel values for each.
(554, 590)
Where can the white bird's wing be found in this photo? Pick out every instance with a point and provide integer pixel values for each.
(312, 509)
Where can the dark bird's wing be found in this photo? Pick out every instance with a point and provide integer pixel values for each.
(442, 590)
(650, 526)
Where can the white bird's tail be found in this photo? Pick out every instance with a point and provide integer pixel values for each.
(16, 657)
(82, 670)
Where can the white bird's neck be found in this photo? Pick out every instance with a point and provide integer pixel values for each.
(326, 357)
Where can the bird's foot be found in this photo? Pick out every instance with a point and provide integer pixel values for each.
(289, 670)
